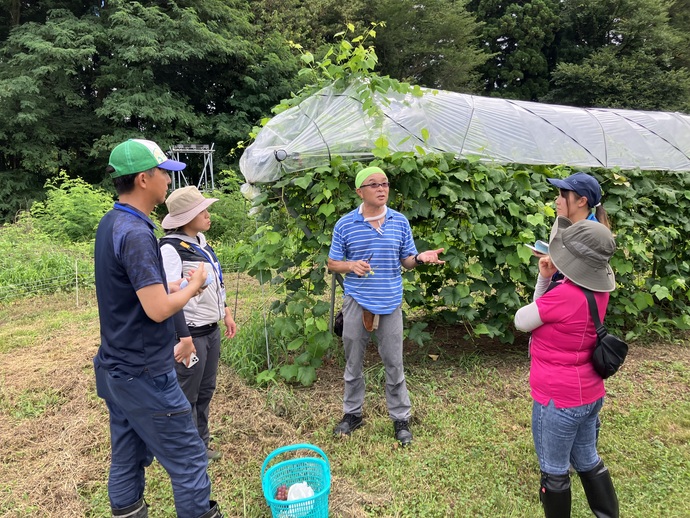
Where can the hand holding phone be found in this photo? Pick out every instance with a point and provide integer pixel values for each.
(193, 360)
(540, 247)
(209, 280)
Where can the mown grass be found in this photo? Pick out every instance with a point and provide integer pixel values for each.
(472, 454)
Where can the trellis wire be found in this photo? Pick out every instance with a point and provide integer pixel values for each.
(68, 282)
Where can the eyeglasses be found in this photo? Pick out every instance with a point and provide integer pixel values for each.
(385, 185)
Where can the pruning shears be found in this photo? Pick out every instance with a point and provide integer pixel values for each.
(367, 261)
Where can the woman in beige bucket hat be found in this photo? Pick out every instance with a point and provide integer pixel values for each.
(183, 247)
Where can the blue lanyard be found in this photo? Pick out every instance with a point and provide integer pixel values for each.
(213, 261)
(124, 208)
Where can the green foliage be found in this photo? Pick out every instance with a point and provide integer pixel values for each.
(433, 44)
(230, 222)
(634, 61)
(653, 261)
(189, 73)
(607, 53)
(679, 18)
(78, 77)
(246, 353)
(520, 37)
(72, 209)
(482, 215)
(17, 193)
(343, 63)
(45, 96)
(312, 23)
(34, 262)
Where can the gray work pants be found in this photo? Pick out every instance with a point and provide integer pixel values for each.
(199, 381)
(390, 340)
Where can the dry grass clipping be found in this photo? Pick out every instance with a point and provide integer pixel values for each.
(46, 460)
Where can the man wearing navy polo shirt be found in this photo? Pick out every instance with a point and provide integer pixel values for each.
(135, 375)
(369, 246)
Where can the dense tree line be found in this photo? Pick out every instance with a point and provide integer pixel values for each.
(78, 76)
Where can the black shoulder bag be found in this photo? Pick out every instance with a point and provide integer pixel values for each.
(610, 351)
(338, 323)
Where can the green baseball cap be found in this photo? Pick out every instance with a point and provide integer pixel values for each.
(137, 155)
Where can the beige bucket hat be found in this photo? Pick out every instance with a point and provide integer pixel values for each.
(184, 204)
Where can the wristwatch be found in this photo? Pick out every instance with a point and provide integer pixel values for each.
(418, 260)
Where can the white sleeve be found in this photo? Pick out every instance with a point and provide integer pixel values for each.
(541, 286)
(527, 318)
(171, 262)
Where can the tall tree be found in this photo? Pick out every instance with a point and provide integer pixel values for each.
(310, 23)
(432, 43)
(633, 59)
(73, 82)
(43, 97)
(679, 18)
(518, 35)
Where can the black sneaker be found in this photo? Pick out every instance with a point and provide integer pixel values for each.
(348, 424)
(402, 432)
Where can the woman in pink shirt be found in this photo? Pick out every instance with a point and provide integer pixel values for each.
(568, 393)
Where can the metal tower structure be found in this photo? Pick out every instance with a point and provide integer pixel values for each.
(205, 182)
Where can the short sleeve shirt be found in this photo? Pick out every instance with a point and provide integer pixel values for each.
(357, 240)
(561, 349)
(127, 259)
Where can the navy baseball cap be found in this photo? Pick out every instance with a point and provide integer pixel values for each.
(583, 184)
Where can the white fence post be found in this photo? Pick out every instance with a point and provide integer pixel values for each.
(76, 279)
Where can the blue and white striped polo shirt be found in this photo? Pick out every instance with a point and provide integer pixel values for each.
(356, 240)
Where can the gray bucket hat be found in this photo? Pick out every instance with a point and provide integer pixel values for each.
(581, 251)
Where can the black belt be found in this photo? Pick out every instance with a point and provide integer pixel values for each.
(202, 330)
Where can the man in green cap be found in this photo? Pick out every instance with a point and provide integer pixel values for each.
(135, 374)
(369, 246)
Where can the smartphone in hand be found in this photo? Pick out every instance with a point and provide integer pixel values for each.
(540, 247)
(193, 360)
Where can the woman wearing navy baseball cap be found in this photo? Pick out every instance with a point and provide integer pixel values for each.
(579, 198)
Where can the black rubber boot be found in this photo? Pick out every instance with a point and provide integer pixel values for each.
(138, 509)
(214, 512)
(600, 492)
(555, 495)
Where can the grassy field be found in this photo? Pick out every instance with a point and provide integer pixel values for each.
(472, 454)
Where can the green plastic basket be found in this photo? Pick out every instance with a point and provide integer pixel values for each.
(314, 471)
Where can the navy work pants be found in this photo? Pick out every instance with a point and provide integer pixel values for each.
(150, 416)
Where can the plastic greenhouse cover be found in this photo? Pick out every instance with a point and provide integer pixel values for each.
(333, 123)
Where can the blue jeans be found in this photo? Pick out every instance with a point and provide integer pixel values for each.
(566, 436)
(150, 416)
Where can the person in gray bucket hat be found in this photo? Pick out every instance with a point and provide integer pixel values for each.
(567, 392)
(581, 252)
